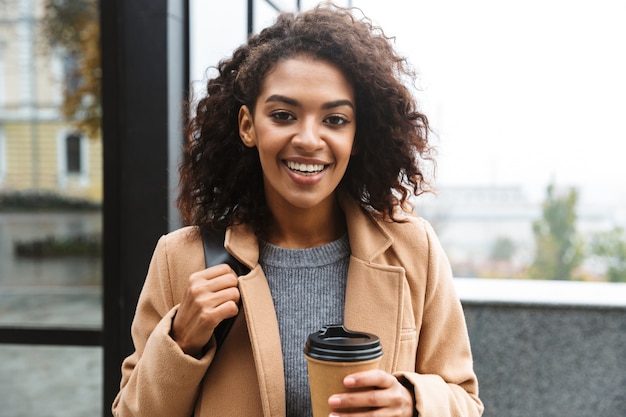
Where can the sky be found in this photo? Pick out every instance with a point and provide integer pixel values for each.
(518, 93)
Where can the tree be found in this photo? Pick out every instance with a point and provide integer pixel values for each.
(558, 247)
(611, 247)
(72, 27)
(503, 249)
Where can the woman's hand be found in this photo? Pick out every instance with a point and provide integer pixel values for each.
(211, 296)
(382, 395)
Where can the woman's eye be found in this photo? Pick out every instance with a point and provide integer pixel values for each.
(336, 120)
(282, 115)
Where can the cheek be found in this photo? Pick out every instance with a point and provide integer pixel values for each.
(269, 148)
(347, 149)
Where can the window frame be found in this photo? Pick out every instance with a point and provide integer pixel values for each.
(64, 175)
(136, 204)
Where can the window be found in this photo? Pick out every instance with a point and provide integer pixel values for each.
(2, 72)
(73, 168)
(71, 71)
(51, 312)
(73, 153)
(3, 160)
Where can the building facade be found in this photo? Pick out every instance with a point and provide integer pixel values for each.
(39, 149)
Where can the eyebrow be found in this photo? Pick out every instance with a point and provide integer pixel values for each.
(296, 103)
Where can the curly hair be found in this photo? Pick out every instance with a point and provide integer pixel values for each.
(221, 181)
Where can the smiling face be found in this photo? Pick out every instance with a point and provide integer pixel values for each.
(303, 126)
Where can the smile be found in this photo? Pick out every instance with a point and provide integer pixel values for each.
(305, 169)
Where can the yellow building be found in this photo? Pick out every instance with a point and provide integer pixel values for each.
(39, 150)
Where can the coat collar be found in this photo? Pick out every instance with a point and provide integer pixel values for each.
(368, 237)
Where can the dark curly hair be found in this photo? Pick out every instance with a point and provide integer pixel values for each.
(221, 181)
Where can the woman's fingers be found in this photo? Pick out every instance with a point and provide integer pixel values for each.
(207, 291)
(211, 296)
(379, 393)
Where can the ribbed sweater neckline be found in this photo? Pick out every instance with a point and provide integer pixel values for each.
(327, 254)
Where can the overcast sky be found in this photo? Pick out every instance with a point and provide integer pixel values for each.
(518, 93)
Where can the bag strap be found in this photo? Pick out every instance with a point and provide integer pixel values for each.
(214, 254)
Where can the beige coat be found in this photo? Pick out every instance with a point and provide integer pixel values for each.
(399, 287)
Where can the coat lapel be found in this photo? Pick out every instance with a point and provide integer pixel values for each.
(265, 340)
(374, 291)
(258, 307)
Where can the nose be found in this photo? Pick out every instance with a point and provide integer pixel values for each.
(308, 137)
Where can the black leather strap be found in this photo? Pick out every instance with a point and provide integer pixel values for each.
(215, 254)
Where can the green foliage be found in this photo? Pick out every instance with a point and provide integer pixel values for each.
(610, 246)
(503, 249)
(50, 247)
(64, 21)
(43, 201)
(558, 247)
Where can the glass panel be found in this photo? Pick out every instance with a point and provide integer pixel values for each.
(526, 104)
(50, 381)
(50, 164)
(526, 101)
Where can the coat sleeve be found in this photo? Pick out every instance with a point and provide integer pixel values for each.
(158, 379)
(444, 381)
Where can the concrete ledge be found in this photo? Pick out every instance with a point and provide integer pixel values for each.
(553, 293)
(548, 349)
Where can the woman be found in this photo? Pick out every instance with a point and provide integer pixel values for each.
(307, 148)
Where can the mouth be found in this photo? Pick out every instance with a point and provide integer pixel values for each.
(305, 169)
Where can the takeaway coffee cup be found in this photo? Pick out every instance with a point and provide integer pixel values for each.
(333, 353)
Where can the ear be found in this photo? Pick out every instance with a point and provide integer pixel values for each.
(246, 127)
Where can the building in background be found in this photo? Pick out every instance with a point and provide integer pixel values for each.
(39, 149)
(487, 231)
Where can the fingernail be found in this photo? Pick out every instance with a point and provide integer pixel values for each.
(334, 401)
(349, 381)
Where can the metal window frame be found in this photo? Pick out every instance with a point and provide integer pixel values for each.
(52, 336)
(145, 67)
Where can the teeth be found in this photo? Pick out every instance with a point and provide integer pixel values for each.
(308, 168)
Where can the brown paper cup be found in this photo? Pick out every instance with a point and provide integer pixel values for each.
(326, 379)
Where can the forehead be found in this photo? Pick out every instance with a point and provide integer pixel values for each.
(304, 75)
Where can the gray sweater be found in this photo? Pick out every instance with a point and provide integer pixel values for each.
(308, 289)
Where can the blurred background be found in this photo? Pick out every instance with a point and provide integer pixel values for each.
(526, 104)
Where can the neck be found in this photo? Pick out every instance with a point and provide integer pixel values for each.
(307, 228)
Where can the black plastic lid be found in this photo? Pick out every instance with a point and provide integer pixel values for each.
(335, 343)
